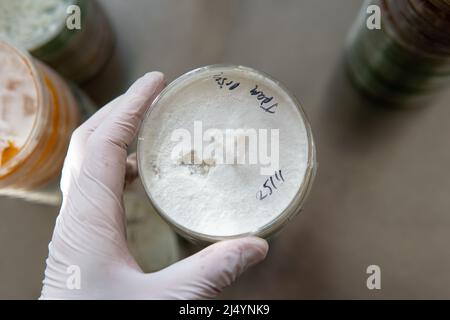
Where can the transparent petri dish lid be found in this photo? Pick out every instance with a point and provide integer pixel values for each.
(226, 151)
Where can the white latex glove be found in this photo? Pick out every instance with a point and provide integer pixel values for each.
(90, 233)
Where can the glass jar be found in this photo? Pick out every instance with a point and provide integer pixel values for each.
(39, 113)
(407, 61)
(203, 198)
(41, 28)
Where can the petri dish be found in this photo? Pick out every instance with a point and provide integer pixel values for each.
(226, 151)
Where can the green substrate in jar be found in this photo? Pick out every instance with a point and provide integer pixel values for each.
(396, 64)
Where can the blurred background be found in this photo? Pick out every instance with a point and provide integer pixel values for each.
(382, 192)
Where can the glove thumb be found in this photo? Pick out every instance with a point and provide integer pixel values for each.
(205, 274)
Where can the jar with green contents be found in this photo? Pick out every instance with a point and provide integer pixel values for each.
(407, 61)
(41, 28)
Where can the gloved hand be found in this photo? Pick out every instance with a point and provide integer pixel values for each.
(88, 255)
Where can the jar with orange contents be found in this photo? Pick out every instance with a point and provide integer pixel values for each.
(38, 113)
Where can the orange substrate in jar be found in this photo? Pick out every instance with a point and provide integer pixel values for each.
(40, 159)
(8, 153)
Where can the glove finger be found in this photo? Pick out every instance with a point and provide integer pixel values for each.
(107, 145)
(120, 127)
